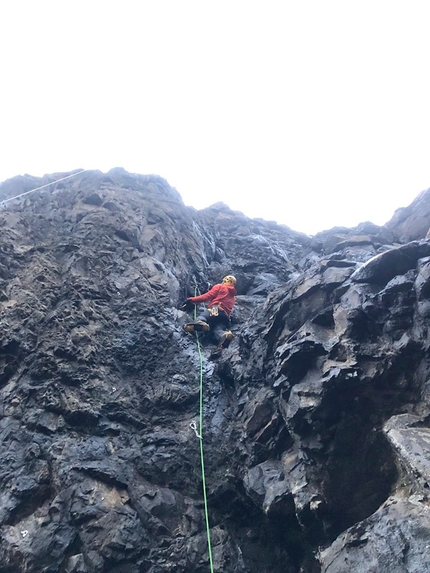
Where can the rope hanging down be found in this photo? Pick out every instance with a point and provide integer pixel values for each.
(41, 187)
(200, 435)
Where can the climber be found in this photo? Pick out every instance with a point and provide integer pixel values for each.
(216, 316)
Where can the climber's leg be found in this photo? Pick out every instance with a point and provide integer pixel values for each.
(200, 324)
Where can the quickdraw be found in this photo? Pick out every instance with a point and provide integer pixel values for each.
(193, 426)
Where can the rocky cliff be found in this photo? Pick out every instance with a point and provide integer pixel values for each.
(315, 421)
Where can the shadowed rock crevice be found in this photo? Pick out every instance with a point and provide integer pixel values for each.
(315, 419)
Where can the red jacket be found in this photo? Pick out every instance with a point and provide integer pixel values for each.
(222, 295)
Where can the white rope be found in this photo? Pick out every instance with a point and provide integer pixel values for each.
(41, 187)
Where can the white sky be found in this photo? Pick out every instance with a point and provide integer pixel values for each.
(313, 113)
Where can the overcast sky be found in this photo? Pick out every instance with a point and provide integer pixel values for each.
(311, 113)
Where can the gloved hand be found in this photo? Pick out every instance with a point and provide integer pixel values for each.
(186, 305)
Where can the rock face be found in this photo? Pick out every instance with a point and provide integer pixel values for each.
(315, 420)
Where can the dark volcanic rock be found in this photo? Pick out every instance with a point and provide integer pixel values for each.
(412, 222)
(315, 419)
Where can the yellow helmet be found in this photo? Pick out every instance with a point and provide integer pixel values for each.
(229, 279)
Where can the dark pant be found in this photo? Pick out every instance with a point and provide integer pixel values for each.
(218, 324)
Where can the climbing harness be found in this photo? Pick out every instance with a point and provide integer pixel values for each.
(199, 434)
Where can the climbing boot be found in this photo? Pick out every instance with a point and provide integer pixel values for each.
(197, 326)
(226, 338)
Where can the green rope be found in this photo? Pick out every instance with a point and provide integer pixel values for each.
(201, 445)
